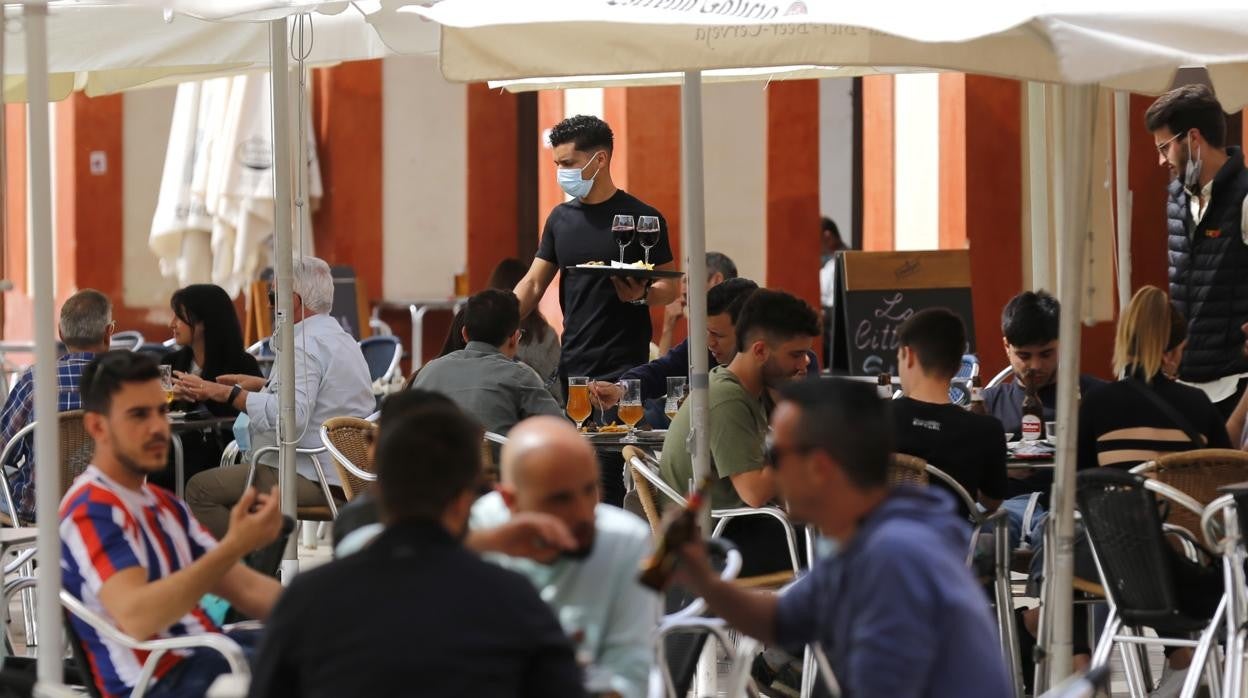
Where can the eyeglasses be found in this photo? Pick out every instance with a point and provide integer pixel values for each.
(1161, 147)
(773, 454)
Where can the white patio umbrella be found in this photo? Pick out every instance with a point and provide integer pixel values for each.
(119, 45)
(102, 48)
(1082, 44)
(215, 210)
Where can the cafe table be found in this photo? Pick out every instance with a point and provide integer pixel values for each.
(185, 424)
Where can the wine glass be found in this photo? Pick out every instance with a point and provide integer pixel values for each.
(631, 410)
(648, 233)
(676, 386)
(623, 229)
(578, 399)
(166, 382)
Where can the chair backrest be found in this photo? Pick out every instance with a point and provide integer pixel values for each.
(77, 448)
(646, 476)
(1199, 474)
(907, 469)
(347, 440)
(382, 355)
(1002, 376)
(128, 340)
(1124, 528)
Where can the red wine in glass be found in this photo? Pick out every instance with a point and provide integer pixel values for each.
(623, 229)
(648, 233)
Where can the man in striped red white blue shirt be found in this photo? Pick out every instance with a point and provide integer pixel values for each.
(133, 552)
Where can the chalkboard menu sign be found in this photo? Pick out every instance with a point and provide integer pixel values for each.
(877, 291)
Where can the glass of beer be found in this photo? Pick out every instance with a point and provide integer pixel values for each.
(631, 410)
(166, 382)
(676, 387)
(578, 399)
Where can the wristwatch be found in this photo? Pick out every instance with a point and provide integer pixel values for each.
(645, 294)
(234, 394)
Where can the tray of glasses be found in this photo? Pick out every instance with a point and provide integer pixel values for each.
(629, 272)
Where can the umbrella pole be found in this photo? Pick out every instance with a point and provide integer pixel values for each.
(1038, 185)
(287, 429)
(47, 472)
(1073, 194)
(1122, 195)
(693, 242)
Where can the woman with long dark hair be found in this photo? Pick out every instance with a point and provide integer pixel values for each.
(539, 347)
(205, 324)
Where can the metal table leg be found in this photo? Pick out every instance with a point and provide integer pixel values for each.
(179, 465)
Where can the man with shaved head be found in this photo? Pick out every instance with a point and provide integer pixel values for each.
(548, 468)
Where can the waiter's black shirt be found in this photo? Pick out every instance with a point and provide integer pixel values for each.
(602, 336)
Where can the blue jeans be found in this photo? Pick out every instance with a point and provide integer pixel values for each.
(1016, 509)
(193, 676)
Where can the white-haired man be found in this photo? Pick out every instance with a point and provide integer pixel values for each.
(331, 380)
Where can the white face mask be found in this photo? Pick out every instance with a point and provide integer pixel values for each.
(572, 179)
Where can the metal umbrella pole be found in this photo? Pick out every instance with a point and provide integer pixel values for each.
(1074, 198)
(283, 267)
(47, 472)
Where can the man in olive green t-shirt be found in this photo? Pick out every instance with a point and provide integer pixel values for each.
(738, 433)
(774, 334)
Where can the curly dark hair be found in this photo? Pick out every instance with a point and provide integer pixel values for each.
(1189, 107)
(586, 133)
(777, 316)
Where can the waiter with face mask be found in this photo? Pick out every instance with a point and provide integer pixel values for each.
(606, 321)
(1208, 240)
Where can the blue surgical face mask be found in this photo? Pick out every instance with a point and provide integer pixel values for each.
(572, 179)
(242, 432)
(826, 547)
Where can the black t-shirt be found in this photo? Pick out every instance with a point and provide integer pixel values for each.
(602, 336)
(969, 447)
(1119, 426)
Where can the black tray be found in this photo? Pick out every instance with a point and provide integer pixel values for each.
(626, 273)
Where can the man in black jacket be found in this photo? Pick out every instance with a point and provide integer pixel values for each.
(416, 613)
(1208, 248)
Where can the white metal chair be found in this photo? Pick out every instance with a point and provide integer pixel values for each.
(645, 464)
(156, 649)
(1001, 377)
(128, 340)
(317, 513)
(1222, 524)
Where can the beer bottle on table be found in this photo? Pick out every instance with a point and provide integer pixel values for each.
(884, 386)
(977, 396)
(657, 570)
(1033, 411)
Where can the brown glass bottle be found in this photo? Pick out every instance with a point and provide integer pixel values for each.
(1033, 411)
(884, 386)
(657, 570)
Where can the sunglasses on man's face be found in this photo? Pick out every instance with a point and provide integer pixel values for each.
(773, 454)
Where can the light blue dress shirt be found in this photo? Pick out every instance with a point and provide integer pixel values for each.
(598, 597)
(331, 380)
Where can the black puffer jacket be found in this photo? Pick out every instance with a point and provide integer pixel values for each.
(1209, 274)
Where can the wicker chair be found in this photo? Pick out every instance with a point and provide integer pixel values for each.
(1199, 474)
(907, 469)
(347, 439)
(76, 449)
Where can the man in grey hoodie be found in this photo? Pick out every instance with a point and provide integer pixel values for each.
(895, 608)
